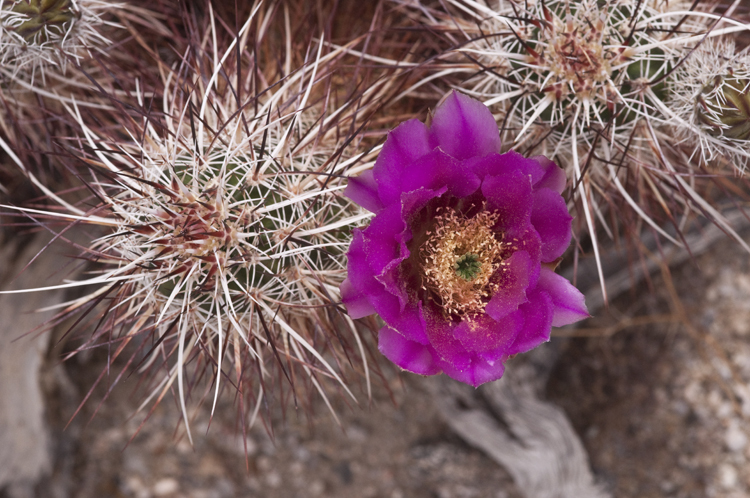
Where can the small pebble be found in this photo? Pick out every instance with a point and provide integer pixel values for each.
(727, 476)
(273, 479)
(166, 487)
(735, 438)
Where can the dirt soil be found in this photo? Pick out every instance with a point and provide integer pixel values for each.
(664, 408)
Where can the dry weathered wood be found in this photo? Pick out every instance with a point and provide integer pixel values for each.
(531, 438)
(24, 439)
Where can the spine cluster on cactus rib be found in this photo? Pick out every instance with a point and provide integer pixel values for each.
(710, 99)
(35, 34)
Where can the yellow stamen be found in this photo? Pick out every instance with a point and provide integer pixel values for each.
(445, 251)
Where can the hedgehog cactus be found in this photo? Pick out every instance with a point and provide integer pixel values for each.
(587, 84)
(226, 230)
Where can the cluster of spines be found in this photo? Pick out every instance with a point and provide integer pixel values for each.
(38, 34)
(710, 99)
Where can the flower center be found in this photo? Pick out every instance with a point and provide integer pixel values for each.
(459, 258)
(468, 266)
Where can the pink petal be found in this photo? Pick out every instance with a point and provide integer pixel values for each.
(361, 282)
(441, 333)
(537, 313)
(552, 221)
(503, 164)
(510, 196)
(381, 237)
(527, 239)
(407, 354)
(409, 323)
(568, 302)
(405, 144)
(554, 177)
(364, 191)
(437, 170)
(488, 338)
(464, 128)
(477, 372)
(514, 280)
(395, 308)
(357, 303)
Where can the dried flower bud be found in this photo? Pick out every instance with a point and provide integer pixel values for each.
(42, 20)
(37, 34)
(724, 106)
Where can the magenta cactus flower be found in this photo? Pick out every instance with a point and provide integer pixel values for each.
(458, 260)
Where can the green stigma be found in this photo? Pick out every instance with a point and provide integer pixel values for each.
(41, 16)
(467, 266)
